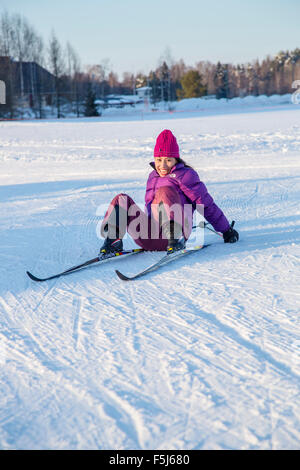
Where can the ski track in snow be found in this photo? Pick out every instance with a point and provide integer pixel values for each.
(200, 354)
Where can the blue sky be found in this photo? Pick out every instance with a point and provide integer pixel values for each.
(134, 34)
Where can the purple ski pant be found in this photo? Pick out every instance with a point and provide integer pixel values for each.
(145, 230)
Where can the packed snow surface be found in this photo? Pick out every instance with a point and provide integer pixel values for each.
(201, 354)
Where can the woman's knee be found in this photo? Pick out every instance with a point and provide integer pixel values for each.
(120, 198)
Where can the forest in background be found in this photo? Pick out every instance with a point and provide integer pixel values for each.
(39, 74)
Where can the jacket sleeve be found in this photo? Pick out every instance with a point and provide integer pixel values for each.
(197, 192)
(149, 195)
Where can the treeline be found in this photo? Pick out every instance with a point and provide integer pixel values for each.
(273, 75)
(49, 74)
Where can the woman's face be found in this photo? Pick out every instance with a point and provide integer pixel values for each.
(164, 165)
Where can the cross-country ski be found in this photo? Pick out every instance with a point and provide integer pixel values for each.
(168, 258)
(99, 260)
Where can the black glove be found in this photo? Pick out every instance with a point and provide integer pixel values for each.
(231, 236)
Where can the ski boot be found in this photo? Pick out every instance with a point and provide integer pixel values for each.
(111, 246)
(171, 230)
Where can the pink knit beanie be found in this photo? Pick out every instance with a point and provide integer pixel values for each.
(166, 145)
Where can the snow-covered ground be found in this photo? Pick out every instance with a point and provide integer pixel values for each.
(202, 354)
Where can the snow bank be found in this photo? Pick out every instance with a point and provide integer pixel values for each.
(146, 110)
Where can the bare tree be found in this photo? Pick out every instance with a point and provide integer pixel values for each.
(34, 54)
(21, 41)
(104, 67)
(7, 68)
(178, 69)
(25, 46)
(113, 82)
(57, 66)
(129, 81)
(74, 72)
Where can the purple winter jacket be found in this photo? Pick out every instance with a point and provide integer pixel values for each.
(191, 190)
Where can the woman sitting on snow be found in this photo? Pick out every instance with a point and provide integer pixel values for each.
(173, 192)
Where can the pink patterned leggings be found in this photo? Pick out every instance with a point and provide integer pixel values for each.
(124, 215)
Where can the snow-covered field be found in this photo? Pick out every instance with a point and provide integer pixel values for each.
(202, 354)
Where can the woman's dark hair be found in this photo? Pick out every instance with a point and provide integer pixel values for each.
(179, 160)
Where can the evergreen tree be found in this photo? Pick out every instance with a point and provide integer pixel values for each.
(253, 76)
(221, 80)
(240, 80)
(90, 105)
(154, 83)
(279, 63)
(192, 86)
(292, 59)
(165, 82)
